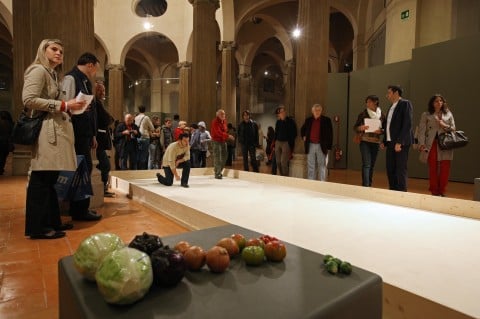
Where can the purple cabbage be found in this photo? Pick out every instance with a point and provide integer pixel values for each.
(168, 266)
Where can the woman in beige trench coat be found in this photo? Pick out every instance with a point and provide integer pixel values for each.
(54, 150)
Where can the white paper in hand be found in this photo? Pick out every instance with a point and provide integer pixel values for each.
(373, 125)
(83, 97)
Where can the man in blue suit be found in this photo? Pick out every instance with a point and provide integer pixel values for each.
(398, 138)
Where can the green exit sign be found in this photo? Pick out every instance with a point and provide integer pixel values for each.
(405, 14)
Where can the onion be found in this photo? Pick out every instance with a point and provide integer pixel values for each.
(195, 257)
(182, 246)
(218, 259)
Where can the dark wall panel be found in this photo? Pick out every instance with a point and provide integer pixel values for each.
(451, 68)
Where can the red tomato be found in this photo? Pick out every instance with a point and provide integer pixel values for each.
(240, 240)
(255, 242)
(275, 251)
(267, 238)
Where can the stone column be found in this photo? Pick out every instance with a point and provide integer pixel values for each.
(156, 90)
(185, 92)
(311, 58)
(35, 20)
(204, 60)
(289, 82)
(115, 90)
(245, 91)
(229, 92)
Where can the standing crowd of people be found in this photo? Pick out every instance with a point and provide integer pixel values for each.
(72, 129)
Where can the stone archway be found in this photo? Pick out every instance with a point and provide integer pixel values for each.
(144, 56)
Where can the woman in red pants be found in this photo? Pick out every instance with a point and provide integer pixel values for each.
(436, 120)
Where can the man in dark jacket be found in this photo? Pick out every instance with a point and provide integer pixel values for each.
(317, 134)
(104, 137)
(398, 138)
(125, 137)
(285, 134)
(84, 124)
(248, 139)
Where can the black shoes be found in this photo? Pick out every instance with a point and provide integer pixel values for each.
(185, 185)
(219, 176)
(63, 227)
(88, 216)
(50, 235)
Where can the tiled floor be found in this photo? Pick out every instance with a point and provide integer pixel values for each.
(28, 268)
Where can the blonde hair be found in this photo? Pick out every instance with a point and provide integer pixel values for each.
(42, 59)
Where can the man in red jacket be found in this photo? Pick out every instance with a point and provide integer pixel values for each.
(219, 142)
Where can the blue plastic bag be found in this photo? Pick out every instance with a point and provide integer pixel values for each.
(75, 185)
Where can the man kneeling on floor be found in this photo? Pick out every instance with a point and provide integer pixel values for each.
(176, 155)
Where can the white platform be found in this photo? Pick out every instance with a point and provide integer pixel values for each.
(436, 256)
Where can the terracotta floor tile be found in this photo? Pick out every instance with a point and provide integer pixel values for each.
(47, 313)
(17, 246)
(31, 256)
(48, 269)
(10, 293)
(28, 280)
(52, 257)
(20, 266)
(22, 306)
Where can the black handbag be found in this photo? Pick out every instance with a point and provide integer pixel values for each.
(27, 129)
(451, 140)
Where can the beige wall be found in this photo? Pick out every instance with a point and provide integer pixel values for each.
(401, 33)
(434, 22)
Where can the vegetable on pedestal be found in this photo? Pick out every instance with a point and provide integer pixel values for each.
(146, 242)
(168, 266)
(92, 250)
(124, 276)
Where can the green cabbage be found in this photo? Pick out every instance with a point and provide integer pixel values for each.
(92, 250)
(124, 276)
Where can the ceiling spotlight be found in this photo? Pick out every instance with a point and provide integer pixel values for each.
(296, 33)
(147, 25)
(266, 72)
